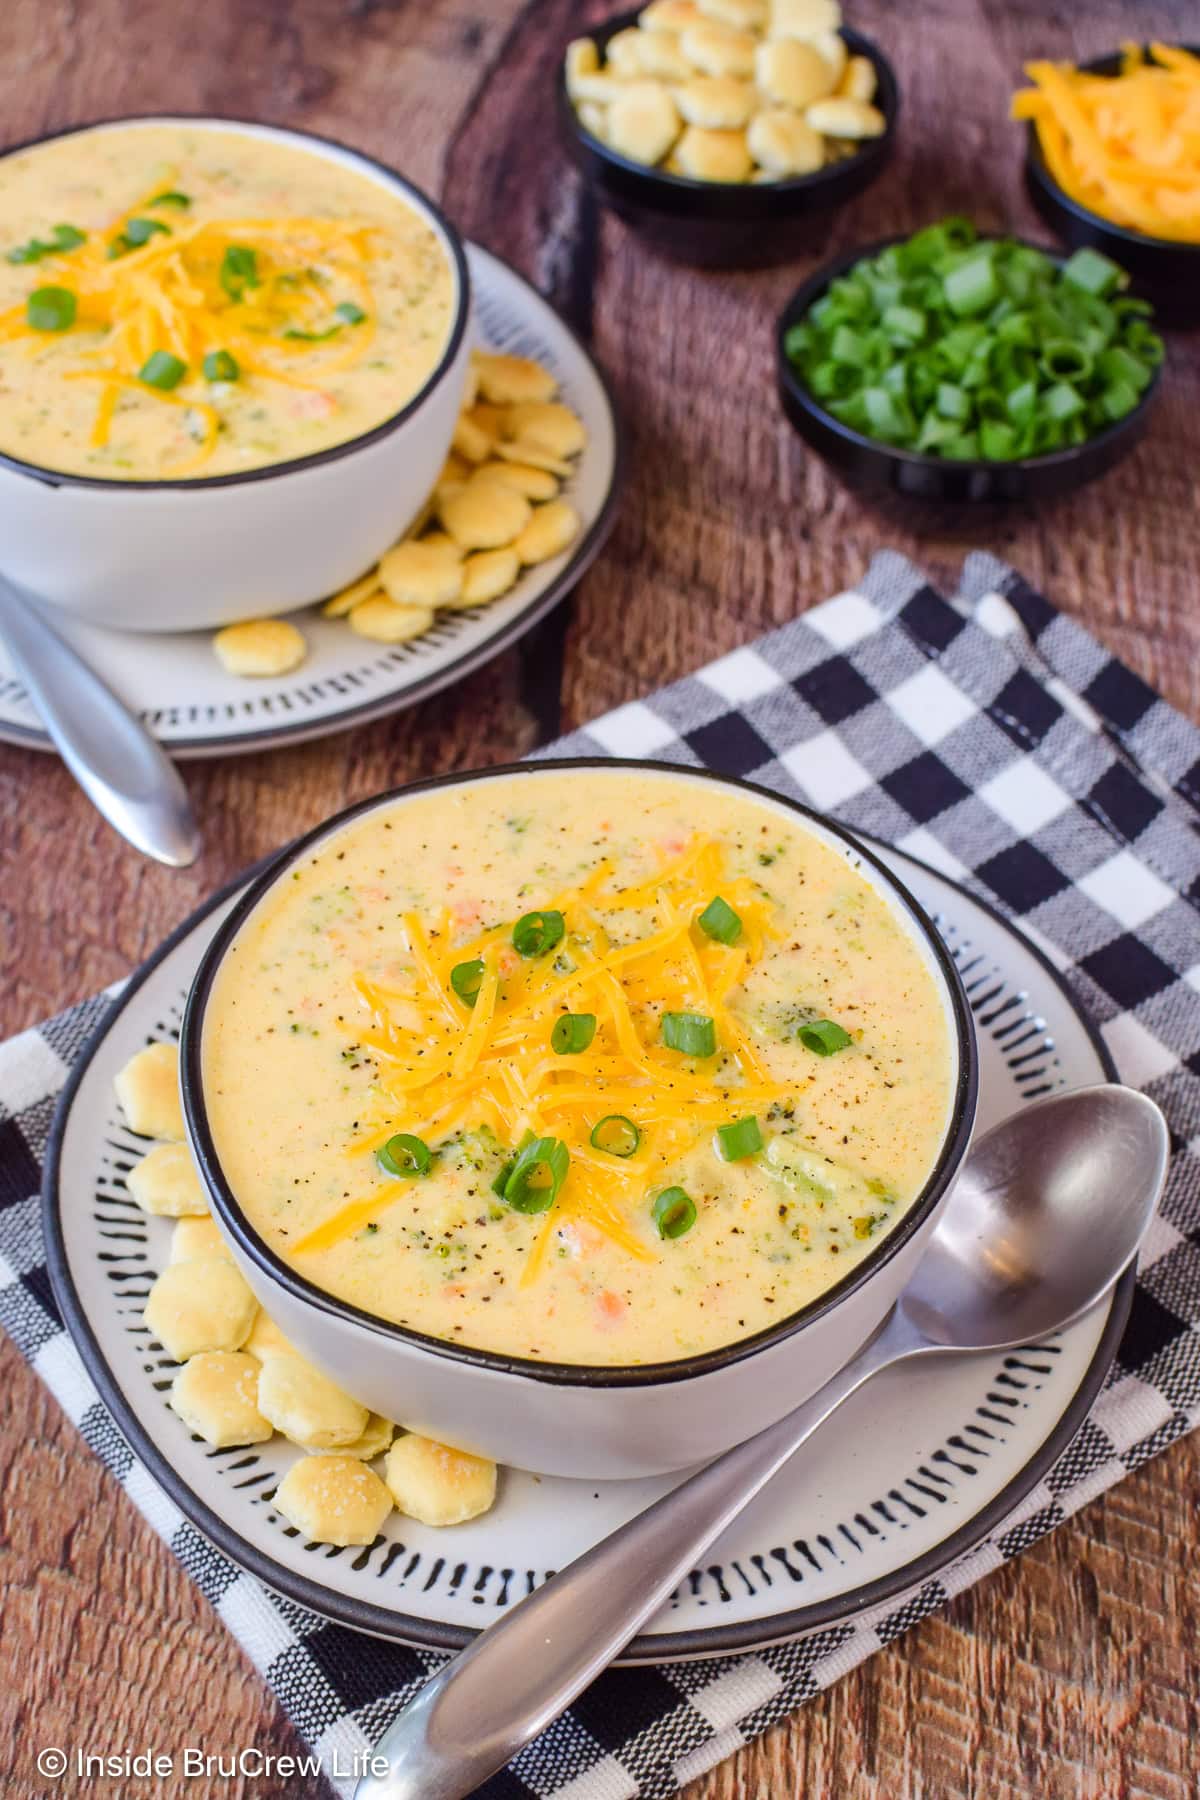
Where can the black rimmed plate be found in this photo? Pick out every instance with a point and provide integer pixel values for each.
(1161, 269)
(868, 464)
(916, 1469)
(175, 684)
(715, 224)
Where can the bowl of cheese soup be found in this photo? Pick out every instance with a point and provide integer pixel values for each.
(231, 361)
(585, 1115)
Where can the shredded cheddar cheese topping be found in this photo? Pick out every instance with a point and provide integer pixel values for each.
(628, 955)
(1125, 146)
(169, 295)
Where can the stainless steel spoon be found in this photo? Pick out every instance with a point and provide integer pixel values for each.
(1049, 1209)
(122, 770)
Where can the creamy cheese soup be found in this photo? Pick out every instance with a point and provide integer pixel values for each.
(180, 302)
(591, 1067)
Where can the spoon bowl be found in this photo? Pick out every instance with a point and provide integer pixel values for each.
(1048, 1208)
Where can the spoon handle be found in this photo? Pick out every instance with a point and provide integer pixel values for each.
(120, 767)
(521, 1673)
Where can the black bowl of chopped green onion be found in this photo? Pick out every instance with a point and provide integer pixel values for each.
(954, 367)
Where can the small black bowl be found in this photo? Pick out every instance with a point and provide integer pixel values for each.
(869, 465)
(728, 225)
(1161, 269)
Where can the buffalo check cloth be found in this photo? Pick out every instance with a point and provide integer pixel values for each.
(993, 738)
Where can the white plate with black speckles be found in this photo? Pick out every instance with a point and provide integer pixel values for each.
(914, 1470)
(175, 684)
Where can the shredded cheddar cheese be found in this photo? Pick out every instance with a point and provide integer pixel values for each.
(1126, 146)
(168, 295)
(447, 1064)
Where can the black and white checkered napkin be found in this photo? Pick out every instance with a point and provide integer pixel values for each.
(992, 738)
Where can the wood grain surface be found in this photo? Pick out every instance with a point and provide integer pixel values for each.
(1070, 1673)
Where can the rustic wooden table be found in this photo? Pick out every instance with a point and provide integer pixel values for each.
(1070, 1673)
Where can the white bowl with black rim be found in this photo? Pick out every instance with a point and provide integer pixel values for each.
(183, 554)
(572, 1418)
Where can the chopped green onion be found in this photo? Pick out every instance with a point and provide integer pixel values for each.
(162, 370)
(903, 324)
(219, 365)
(347, 314)
(1119, 399)
(997, 441)
(823, 1037)
(952, 403)
(694, 1034)
(572, 1033)
(533, 1182)
(956, 348)
(239, 270)
(1021, 402)
(501, 1181)
(1117, 364)
(51, 309)
(674, 1212)
(536, 932)
(719, 921)
(742, 1138)
(139, 231)
(1061, 402)
(466, 979)
(405, 1156)
(616, 1135)
(886, 416)
(1062, 360)
(970, 287)
(1094, 273)
(171, 197)
(62, 238)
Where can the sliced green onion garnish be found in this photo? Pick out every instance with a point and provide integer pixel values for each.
(506, 1169)
(719, 921)
(970, 287)
(51, 309)
(162, 370)
(502, 1175)
(674, 1212)
(533, 1182)
(573, 1033)
(1094, 273)
(219, 365)
(693, 1034)
(824, 1037)
(952, 402)
(742, 1138)
(139, 231)
(239, 270)
(466, 979)
(537, 932)
(956, 348)
(405, 1156)
(171, 197)
(62, 238)
(616, 1135)
(347, 314)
